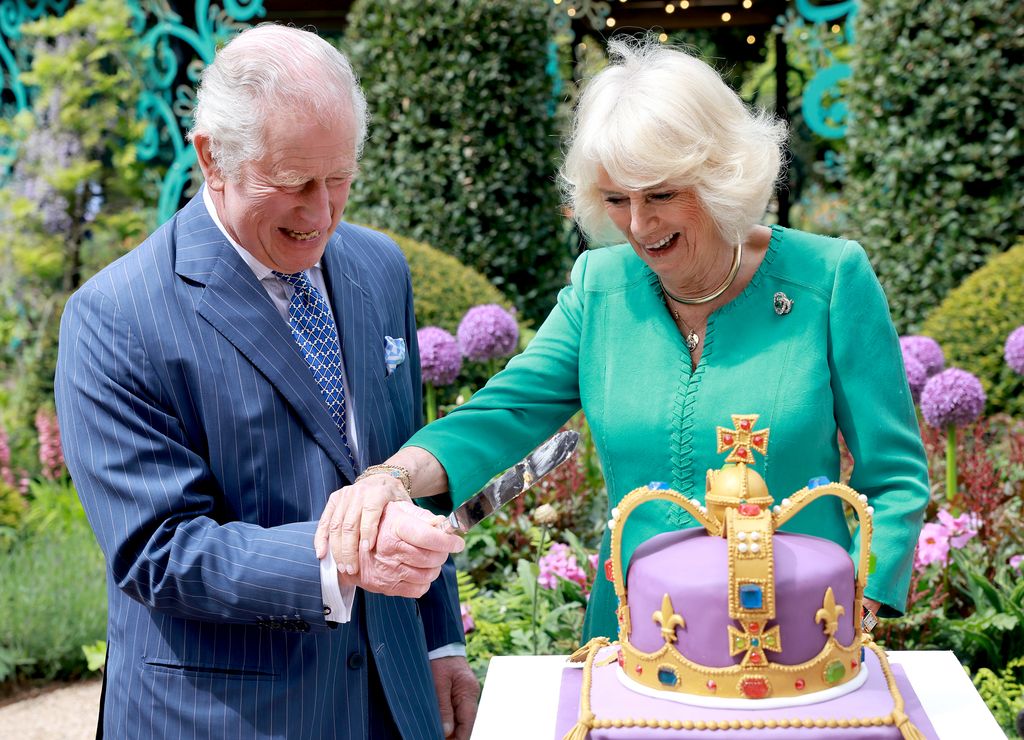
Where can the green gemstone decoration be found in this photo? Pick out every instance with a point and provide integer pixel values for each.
(834, 671)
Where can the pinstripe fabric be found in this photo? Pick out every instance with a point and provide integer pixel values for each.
(203, 452)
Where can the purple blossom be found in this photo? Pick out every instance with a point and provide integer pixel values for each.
(1015, 562)
(932, 545)
(440, 358)
(468, 625)
(925, 350)
(488, 332)
(1014, 351)
(954, 396)
(560, 563)
(917, 376)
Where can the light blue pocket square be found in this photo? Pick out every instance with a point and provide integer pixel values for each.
(394, 352)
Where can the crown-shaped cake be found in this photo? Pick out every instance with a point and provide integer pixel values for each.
(734, 621)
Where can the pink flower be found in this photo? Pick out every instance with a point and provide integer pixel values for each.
(593, 561)
(1015, 562)
(51, 455)
(468, 625)
(932, 545)
(961, 529)
(6, 474)
(560, 563)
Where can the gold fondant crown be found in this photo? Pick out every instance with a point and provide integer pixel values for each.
(739, 508)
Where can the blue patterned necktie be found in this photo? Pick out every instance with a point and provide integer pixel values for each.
(314, 330)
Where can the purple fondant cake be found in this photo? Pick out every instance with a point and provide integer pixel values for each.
(737, 628)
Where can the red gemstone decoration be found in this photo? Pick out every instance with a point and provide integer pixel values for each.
(727, 439)
(800, 683)
(741, 451)
(755, 658)
(749, 509)
(712, 686)
(754, 688)
(758, 439)
(753, 628)
(622, 660)
(608, 570)
(745, 424)
(853, 664)
(639, 669)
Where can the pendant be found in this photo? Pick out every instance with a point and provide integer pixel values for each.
(692, 340)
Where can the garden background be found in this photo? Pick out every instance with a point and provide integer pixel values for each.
(906, 136)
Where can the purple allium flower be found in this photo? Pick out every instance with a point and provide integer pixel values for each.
(917, 376)
(954, 396)
(468, 625)
(488, 332)
(932, 545)
(1014, 351)
(925, 350)
(440, 358)
(560, 563)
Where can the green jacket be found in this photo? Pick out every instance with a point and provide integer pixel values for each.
(610, 346)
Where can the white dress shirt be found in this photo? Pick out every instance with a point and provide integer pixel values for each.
(337, 598)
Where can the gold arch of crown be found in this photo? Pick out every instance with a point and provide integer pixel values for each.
(753, 639)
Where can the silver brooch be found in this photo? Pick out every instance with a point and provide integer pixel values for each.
(783, 303)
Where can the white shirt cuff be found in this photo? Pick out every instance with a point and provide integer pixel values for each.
(447, 651)
(337, 600)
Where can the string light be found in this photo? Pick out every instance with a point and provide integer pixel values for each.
(663, 38)
(558, 2)
(571, 12)
(670, 8)
(747, 4)
(751, 39)
(835, 28)
(684, 4)
(610, 22)
(726, 17)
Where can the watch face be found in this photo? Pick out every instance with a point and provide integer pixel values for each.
(868, 620)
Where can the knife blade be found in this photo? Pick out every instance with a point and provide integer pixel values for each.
(513, 482)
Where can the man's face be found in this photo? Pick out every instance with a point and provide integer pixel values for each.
(287, 204)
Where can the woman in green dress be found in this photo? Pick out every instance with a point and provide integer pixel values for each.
(698, 313)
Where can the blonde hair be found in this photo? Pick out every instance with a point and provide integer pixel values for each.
(268, 71)
(657, 115)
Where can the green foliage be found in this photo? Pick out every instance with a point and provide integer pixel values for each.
(1003, 692)
(463, 146)
(73, 198)
(974, 320)
(936, 156)
(52, 601)
(443, 288)
(12, 511)
(95, 655)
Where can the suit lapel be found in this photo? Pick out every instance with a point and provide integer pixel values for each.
(361, 335)
(237, 306)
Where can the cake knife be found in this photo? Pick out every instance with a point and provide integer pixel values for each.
(513, 482)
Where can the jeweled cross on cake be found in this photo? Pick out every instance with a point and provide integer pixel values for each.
(742, 439)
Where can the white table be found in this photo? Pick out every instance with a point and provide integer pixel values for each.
(520, 697)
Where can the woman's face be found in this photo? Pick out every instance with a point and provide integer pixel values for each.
(664, 224)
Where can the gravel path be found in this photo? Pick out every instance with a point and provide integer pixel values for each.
(62, 714)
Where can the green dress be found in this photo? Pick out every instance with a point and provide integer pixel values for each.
(610, 346)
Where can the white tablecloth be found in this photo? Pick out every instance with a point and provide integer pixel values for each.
(520, 697)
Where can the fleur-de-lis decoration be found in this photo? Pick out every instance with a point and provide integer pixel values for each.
(668, 619)
(829, 613)
(742, 439)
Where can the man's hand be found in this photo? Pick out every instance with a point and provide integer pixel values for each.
(457, 693)
(410, 550)
(349, 522)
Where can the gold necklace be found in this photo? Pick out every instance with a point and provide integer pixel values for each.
(733, 272)
(692, 338)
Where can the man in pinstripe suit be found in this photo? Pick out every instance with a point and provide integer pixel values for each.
(205, 437)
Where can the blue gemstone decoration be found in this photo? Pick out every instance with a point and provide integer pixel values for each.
(862, 655)
(821, 480)
(658, 485)
(751, 596)
(755, 642)
(667, 677)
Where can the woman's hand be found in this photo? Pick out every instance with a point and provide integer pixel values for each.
(350, 520)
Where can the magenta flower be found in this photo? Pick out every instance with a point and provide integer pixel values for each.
(560, 563)
(51, 454)
(961, 529)
(1015, 562)
(953, 397)
(932, 545)
(488, 332)
(1014, 350)
(6, 474)
(917, 376)
(440, 358)
(925, 350)
(468, 625)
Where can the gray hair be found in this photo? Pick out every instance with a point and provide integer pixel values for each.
(657, 115)
(263, 72)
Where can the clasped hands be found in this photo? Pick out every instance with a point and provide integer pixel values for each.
(381, 540)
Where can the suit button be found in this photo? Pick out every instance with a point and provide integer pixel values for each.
(355, 661)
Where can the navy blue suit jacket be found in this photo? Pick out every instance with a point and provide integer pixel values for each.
(203, 453)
